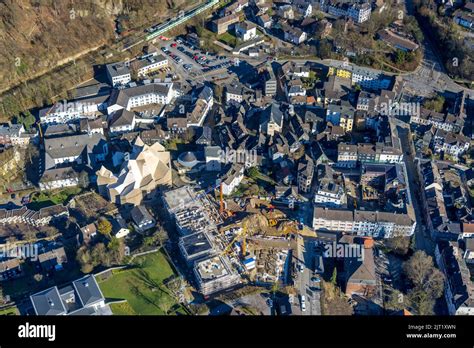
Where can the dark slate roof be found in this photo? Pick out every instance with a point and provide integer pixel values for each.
(58, 174)
(88, 290)
(187, 157)
(203, 92)
(274, 114)
(139, 214)
(206, 135)
(48, 302)
(71, 146)
(118, 69)
(121, 117)
(60, 129)
(212, 151)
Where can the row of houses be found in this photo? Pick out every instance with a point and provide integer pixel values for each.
(446, 199)
(24, 215)
(349, 155)
(50, 257)
(363, 223)
(121, 98)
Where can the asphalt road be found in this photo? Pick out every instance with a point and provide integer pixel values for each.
(303, 283)
(423, 242)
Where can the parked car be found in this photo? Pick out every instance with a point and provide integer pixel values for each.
(303, 303)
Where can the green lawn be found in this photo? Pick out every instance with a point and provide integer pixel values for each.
(228, 39)
(9, 311)
(142, 287)
(122, 309)
(48, 198)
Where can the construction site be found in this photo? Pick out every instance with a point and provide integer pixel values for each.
(226, 244)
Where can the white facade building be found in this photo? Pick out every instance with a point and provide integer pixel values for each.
(151, 64)
(245, 31)
(69, 111)
(233, 179)
(370, 79)
(359, 12)
(132, 97)
(118, 74)
(363, 223)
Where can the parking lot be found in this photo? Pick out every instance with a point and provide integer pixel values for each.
(191, 61)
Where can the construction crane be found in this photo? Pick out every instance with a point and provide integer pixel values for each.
(221, 202)
(244, 239)
(242, 235)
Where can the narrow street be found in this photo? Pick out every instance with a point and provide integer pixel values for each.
(423, 242)
(304, 282)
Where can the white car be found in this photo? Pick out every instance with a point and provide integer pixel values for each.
(303, 303)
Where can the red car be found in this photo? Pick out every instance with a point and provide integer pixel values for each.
(174, 44)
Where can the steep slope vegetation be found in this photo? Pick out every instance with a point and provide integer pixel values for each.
(37, 36)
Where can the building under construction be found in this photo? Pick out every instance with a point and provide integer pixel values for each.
(196, 246)
(196, 220)
(271, 266)
(191, 212)
(214, 274)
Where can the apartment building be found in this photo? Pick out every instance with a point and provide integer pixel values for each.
(341, 115)
(221, 25)
(305, 174)
(72, 111)
(363, 223)
(270, 87)
(329, 194)
(83, 149)
(119, 74)
(141, 95)
(150, 64)
(458, 289)
(370, 78)
(358, 12)
(347, 155)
